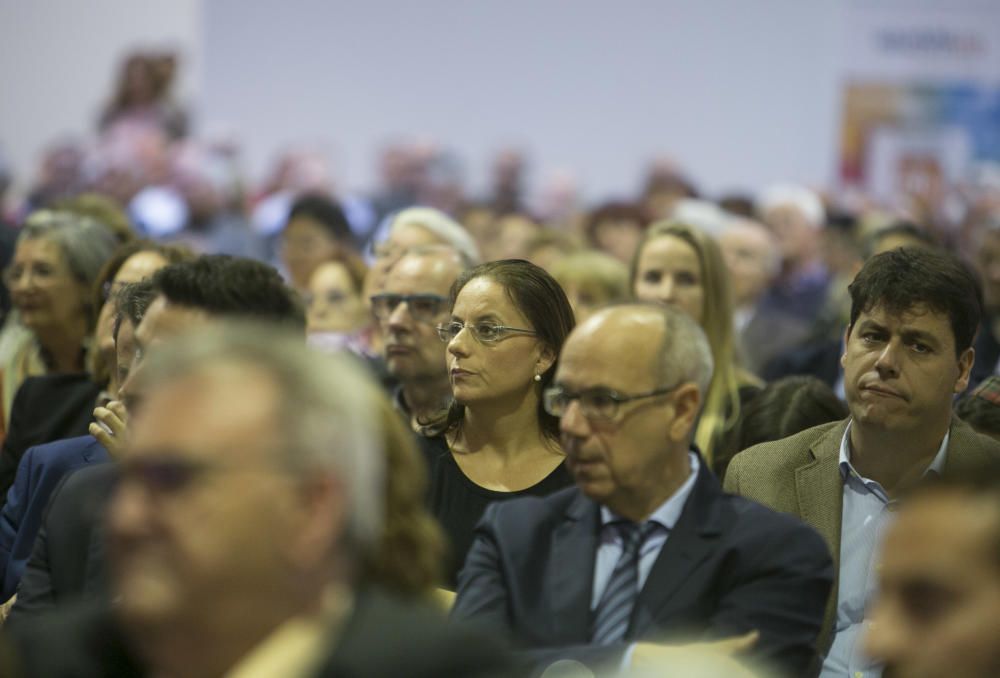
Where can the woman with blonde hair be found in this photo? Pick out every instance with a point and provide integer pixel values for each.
(680, 265)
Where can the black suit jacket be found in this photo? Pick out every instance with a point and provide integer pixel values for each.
(45, 409)
(67, 560)
(729, 566)
(383, 637)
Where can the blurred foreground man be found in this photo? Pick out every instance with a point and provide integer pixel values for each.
(251, 484)
(646, 556)
(938, 611)
(914, 314)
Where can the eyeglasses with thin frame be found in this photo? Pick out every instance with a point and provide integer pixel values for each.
(423, 307)
(595, 403)
(484, 332)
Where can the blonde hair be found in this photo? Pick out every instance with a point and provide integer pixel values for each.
(721, 410)
(599, 274)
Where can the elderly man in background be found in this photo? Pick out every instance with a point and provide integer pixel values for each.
(252, 483)
(646, 552)
(796, 216)
(753, 260)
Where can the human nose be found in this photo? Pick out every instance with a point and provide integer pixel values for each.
(572, 422)
(458, 346)
(667, 291)
(399, 316)
(883, 636)
(128, 511)
(887, 362)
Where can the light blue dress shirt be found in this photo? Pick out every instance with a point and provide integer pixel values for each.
(866, 514)
(610, 549)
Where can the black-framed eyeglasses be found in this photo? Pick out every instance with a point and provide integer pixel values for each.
(423, 307)
(595, 403)
(484, 333)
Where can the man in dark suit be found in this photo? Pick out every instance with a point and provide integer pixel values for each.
(908, 351)
(252, 484)
(646, 552)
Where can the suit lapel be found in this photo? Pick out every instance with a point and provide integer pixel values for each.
(574, 551)
(689, 543)
(820, 490)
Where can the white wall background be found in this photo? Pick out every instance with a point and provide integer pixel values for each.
(740, 93)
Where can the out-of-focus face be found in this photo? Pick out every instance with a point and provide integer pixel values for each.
(500, 371)
(618, 237)
(612, 460)
(162, 321)
(402, 239)
(796, 237)
(43, 289)
(332, 302)
(668, 271)
(749, 252)
(138, 267)
(900, 372)
(938, 608)
(204, 518)
(515, 235)
(584, 299)
(412, 349)
(305, 244)
(988, 260)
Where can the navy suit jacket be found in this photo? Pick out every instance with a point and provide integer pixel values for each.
(41, 470)
(729, 566)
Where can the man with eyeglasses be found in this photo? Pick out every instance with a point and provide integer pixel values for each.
(646, 557)
(413, 302)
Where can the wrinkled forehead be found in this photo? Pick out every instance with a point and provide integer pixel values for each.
(616, 349)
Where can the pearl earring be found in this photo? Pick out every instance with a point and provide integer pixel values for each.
(538, 377)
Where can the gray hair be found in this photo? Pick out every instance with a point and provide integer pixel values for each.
(85, 244)
(326, 410)
(803, 199)
(442, 226)
(684, 355)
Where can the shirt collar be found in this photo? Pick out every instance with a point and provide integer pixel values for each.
(847, 469)
(669, 512)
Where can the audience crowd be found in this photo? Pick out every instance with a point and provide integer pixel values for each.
(282, 431)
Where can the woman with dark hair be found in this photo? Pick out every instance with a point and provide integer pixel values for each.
(783, 408)
(509, 320)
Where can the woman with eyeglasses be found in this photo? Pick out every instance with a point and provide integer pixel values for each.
(508, 322)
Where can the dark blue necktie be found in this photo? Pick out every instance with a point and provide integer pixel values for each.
(614, 610)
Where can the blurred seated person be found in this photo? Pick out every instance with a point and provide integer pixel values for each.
(980, 409)
(57, 406)
(549, 246)
(937, 611)
(681, 266)
(591, 280)
(514, 234)
(56, 260)
(142, 95)
(752, 258)
(317, 231)
(416, 227)
(508, 321)
(43, 467)
(796, 217)
(616, 228)
(336, 315)
(252, 489)
(986, 242)
(784, 408)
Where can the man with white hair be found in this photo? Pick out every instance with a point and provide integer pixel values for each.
(796, 216)
(646, 550)
(252, 485)
(753, 260)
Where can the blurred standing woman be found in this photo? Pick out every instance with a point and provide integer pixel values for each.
(56, 259)
(508, 322)
(681, 265)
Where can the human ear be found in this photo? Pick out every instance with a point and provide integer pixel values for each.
(965, 362)
(687, 405)
(546, 359)
(847, 337)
